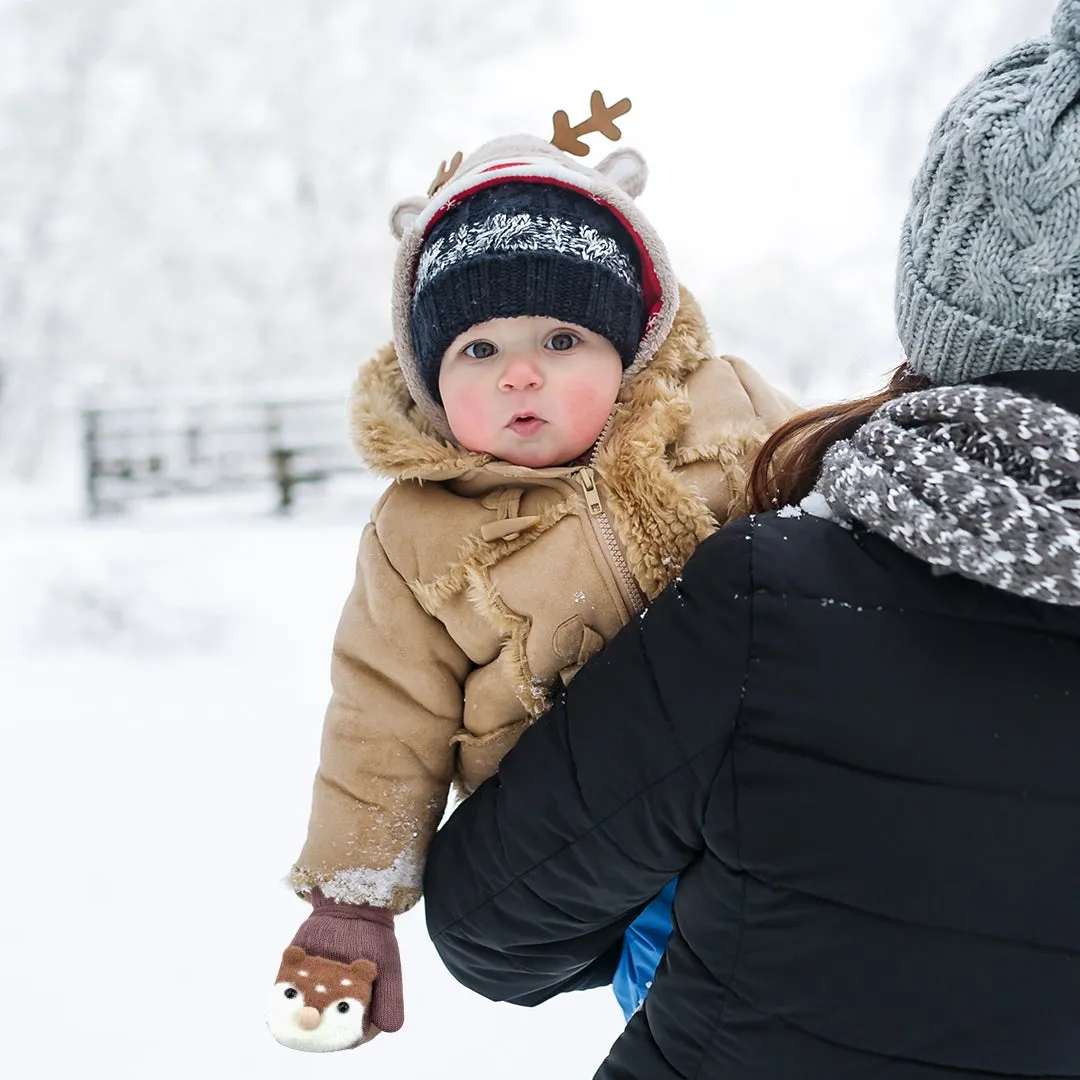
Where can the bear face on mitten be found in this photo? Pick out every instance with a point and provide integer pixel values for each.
(318, 1004)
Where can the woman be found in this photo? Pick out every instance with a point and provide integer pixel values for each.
(852, 727)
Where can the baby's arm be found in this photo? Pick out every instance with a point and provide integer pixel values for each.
(380, 790)
(386, 760)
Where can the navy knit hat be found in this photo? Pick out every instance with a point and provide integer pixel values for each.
(525, 248)
(988, 278)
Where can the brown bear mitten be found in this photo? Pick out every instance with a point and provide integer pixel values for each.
(339, 983)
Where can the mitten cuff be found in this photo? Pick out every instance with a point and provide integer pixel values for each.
(334, 909)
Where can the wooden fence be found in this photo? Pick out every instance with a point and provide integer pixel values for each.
(134, 452)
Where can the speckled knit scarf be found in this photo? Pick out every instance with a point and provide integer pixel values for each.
(976, 480)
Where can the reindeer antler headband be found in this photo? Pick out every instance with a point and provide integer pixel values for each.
(601, 119)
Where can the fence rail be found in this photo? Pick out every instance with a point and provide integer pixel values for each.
(150, 451)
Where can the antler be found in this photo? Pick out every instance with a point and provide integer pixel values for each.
(602, 119)
(444, 173)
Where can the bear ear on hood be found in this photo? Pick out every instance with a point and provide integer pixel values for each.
(626, 169)
(405, 213)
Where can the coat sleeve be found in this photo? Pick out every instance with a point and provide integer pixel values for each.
(532, 881)
(386, 760)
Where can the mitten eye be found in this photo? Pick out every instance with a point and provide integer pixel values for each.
(291, 992)
(342, 1006)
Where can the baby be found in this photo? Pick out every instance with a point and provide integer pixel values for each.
(561, 437)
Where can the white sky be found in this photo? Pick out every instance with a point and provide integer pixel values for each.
(752, 134)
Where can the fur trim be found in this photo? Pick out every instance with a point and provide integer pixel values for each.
(478, 556)
(471, 571)
(660, 516)
(514, 630)
(392, 435)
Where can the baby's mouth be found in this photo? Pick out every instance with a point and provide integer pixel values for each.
(526, 424)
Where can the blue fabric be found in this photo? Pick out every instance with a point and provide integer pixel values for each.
(643, 945)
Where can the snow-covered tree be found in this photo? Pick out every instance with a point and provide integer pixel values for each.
(197, 192)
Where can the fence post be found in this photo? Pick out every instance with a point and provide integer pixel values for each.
(193, 443)
(283, 476)
(279, 456)
(91, 422)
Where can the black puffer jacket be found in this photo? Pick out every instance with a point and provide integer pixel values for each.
(868, 777)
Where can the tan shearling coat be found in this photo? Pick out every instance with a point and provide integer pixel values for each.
(483, 586)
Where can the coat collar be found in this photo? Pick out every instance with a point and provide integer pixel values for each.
(1062, 388)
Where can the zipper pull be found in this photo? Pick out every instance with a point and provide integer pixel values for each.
(592, 497)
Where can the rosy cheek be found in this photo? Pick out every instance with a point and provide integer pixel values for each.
(466, 407)
(587, 408)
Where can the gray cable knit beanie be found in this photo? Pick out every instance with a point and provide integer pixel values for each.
(988, 278)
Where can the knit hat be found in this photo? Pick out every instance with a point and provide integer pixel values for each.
(625, 265)
(988, 278)
(525, 248)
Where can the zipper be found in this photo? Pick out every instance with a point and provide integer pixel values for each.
(607, 536)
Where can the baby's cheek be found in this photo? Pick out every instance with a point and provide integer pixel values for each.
(466, 411)
(587, 409)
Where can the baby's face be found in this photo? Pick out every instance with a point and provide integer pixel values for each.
(532, 390)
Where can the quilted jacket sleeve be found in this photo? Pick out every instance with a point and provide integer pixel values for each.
(386, 760)
(531, 883)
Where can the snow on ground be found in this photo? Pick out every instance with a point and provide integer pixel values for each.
(162, 682)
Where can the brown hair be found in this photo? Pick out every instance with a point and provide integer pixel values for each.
(787, 466)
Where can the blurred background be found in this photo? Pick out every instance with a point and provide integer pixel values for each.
(194, 258)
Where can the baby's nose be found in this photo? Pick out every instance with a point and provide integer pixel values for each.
(521, 371)
(308, 1018)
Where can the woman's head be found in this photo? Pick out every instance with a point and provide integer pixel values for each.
(988, 276)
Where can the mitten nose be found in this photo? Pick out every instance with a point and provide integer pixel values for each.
(309, 1017)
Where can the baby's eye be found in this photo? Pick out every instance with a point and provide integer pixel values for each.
(290, 993)
(562, 341)
(479, 350)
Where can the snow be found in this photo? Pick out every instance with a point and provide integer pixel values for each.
(358, 886)
(816, 505)
(162, 683)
